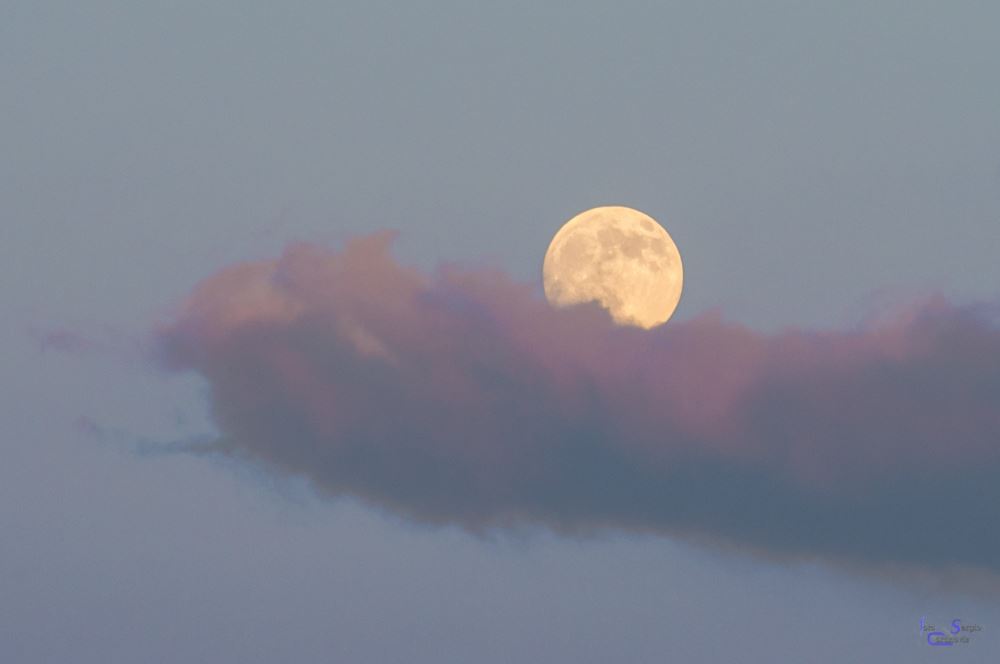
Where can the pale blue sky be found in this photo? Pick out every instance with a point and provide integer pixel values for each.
(813, 161)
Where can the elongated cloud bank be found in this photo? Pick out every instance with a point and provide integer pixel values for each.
(462, 397)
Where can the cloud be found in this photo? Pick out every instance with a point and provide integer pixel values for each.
(60, 339)
(462, 397)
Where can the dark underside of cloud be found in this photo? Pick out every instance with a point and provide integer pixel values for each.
(461, 397)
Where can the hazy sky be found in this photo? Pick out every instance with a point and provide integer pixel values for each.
(815, 163)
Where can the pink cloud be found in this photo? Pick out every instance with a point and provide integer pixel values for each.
(462, 397)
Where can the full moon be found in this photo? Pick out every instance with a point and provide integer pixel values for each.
(620, 258)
